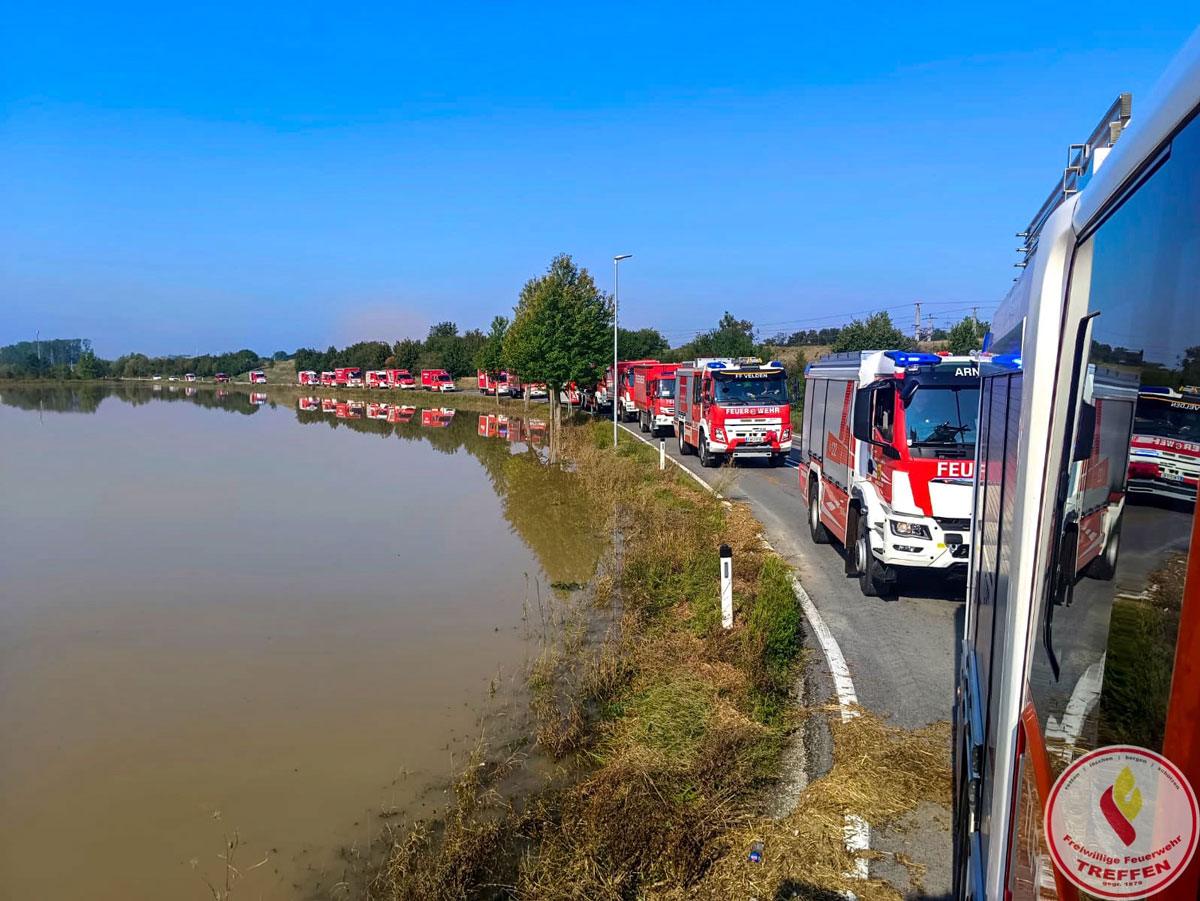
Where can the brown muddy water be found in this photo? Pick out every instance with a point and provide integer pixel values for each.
(219, 616)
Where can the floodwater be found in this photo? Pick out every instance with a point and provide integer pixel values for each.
(223, 617)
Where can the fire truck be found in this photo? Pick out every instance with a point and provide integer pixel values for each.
(1164, 460)
(400, 378)
(400, 413)
(348, 376)
(377, 378)
(307, 377)
(437, 380)
(502, 383)
(654, 395)
(437, 417)
(887, 460)
(732, 408)
(626, 408)
(327, 379)
(308, 404)
(258, 377)
(1063, 670)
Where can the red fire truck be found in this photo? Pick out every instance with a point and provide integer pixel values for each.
(1164, 460)
(221, 377)
(502, 383)
(437, 380)
(377, 378)
(307, 377)
(401, 413)
(308, 404)
(1064, 672)
(887, 460)
(401, 378)
(732, 408)
(626, 408)
(258, 377)
(348, 376)
(654, 395)
(327, 379)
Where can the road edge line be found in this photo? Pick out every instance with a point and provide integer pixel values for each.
(856, 833)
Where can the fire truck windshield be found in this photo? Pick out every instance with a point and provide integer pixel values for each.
(666, 388)
(941, 418)
(1164, 417)
(768, 388)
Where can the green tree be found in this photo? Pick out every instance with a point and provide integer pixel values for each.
(407, 352)
(875, 333)
(642, 344)
(561, 329)
(732, 337)
(965, 336)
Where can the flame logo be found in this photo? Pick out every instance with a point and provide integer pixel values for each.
(1120, 804)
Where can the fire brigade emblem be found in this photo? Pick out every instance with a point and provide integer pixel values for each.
(1121, 822)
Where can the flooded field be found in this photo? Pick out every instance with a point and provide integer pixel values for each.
(223, 617)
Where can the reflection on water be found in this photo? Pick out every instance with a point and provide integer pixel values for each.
(212, 624)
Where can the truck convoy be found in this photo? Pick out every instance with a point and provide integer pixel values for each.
(732, 408)
(887, 460)
(1077, 709)
(654, 396)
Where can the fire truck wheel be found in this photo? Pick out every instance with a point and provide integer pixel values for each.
(684, 447)
(820, 535)
(645, 422)
(870, 575)
(1104, 567)
(707, 458)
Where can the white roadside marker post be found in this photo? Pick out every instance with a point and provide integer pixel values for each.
(726, 586)
(662, 453)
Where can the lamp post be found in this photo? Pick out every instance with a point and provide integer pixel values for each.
(616, 309)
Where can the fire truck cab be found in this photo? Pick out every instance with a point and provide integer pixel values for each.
(627, 410)
(437, 380)
(887, 460)
(377, 378)
(307, 377)
(1089, 670)
(1164, 461)
(733, 408)
(501, 383)
(328, 379)
(348, 376)
(257, 377)
(654, 395)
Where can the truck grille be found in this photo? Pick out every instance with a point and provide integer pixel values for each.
(953, 525)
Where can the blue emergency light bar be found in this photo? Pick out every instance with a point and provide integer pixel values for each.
(1154, 389)
(906, 358)
(716, 364)
(1005, 361)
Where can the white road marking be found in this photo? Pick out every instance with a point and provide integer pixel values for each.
(855, 831)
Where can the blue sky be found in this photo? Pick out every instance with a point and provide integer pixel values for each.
(178, 179)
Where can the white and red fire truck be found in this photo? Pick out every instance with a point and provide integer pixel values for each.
(258, 377)
(1065, 671)
(377, 378)
(308, 404)
(1164, 460)
(307, 377)
(501, 383)
(626, 408)
(328, 379)
(654, 395)
(733, 408)
(348, 376)
(437, 380)
(401, 378)
(887, 460)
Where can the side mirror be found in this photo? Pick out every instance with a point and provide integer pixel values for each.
(1085, 433)
(861, 423)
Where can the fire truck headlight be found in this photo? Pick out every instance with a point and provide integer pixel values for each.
(785, 434)
(719, 434)
(910, 529)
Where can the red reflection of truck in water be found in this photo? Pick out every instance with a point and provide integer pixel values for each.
(329, 405)
(221, 377)
(257, 398)
(307, 377)
(437, 417)
(327, 379)
(377, 378)
(1164, 459)
(401, 378)
(400, 413)
(258, 377)
(733, 408)
(437, 380)
(654, 396)
(308, 404)
(348, 376)
(377, 411)
(887, 460)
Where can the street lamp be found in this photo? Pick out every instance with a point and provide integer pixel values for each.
(616, 308)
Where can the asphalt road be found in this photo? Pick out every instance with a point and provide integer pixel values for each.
(900, 650)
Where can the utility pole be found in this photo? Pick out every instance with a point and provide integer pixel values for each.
(917, 322)
(616, 391)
